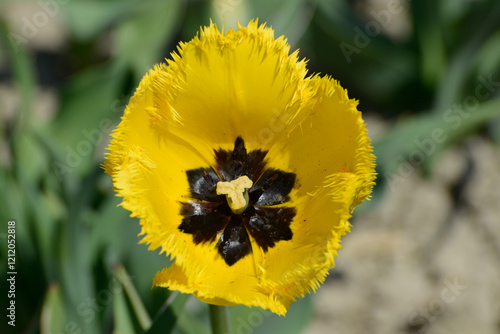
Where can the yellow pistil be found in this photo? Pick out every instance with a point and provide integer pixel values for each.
(236, 193)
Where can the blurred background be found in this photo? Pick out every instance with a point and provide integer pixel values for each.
(424, 253)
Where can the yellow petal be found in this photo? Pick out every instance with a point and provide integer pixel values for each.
(214, 93)
(148, 166)
(331, 155)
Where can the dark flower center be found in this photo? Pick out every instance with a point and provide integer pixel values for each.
(208, 216)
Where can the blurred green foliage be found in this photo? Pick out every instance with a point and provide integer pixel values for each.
(434, 83)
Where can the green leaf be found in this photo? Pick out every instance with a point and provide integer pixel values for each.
(87, 113)
(461, 64)
(453, 11)
(419, 140)
(432, 49)
(31, 157)
(141, 38)
(52, 318)
(104, 225)
(61, 176)
(87, 19)
(494, 130)
(14, 206)
(189, 323)
(43, 222)
(288, 18)
(23, 74)
(72, 258)
(370, 66)
(488, 58)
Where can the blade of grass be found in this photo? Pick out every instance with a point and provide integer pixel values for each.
(133, 296)
(461, 64)
(166, 319)
(52, 315)
(430, 39)
(23, 73)
(121, 316)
